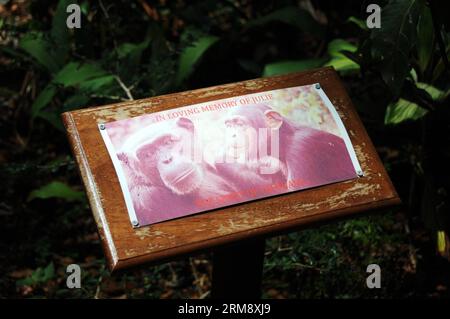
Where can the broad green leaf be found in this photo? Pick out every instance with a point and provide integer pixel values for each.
(336, 46)
(84, 6)
(393, 42)
(343, 65)
(87, 76)
(56, 190)
(192, 54)
(43, 99)
(358, 22)
(132, 49)
(98, 84)
(442, 242)
(126, 49)
(293, 16)
(53, 118)
(425, 39)
(413, 74)
(403, 110)
(40, 48)
(339, 60)
(38, 276)
(129, 55)
(74, 73)
(435, 93)
(49, 272)
(284, 67)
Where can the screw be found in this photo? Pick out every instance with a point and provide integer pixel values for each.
(318, 86)
(360, 173)
(135, 223)
(102, 126)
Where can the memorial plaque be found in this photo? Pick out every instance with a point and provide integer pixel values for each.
(210, 155)
(177, 173)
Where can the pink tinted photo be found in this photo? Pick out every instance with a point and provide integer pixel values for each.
(206, 156)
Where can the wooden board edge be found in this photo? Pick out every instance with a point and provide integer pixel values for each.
(362, 129)
(91, 189)
(263, 231)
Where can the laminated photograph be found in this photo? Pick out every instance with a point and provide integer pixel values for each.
(211, 155)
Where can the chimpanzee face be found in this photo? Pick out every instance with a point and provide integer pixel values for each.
(169, 147)
(250, 133)
(239, 136)
(170, 153)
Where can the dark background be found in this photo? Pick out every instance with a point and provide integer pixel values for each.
(397, 76)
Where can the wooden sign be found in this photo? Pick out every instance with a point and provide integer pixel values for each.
(205, 156)
(126, 246)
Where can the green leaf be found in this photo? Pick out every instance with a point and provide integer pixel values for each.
(435, 93)
(98, 85)
(293, 16)
(43, 99)
(39, 276)
(53, 118)
(425, 39)
(56, 189)
(413, 75)
(339, 60)
(86, 76)
(403, 110)
(132, 49)
(74, 73)
(49, 272)
(39, 47)
(84, 6)
(130, 55)
(192, 54)
(284, 67)
(393, 42)
(358, 22)
(336, 47)
(441, 242)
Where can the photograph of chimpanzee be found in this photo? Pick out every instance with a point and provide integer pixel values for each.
(201, 157)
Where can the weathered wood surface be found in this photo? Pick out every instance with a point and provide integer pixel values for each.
(125, 246)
